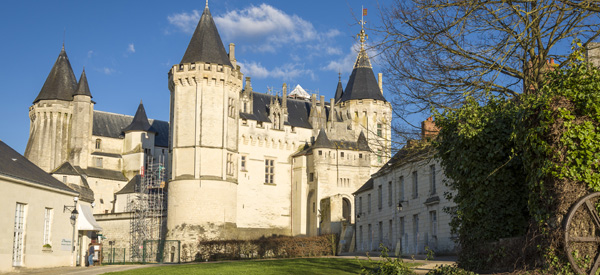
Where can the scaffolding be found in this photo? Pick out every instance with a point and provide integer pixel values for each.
(148, 206)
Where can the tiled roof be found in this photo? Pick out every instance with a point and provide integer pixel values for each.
(61, 82)
(14, 165)
(206, 45)
(112, 125)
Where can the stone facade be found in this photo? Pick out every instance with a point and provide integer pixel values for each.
(239, 163)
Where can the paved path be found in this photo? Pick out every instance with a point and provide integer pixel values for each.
(78, 270)
(420, 259)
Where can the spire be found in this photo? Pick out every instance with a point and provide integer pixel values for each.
(82, 87)
(140, 121)
(362, 142)
(322, 140)
(61, 82)
(362, 83)
(206, 45)
(339, 92)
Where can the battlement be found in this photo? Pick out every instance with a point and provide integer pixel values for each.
(206, 68)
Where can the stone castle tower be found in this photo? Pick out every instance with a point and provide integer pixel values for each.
(205, 88)
(61, 118)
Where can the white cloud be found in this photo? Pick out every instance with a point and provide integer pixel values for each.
(107, 71)
(90, 53)
(286, 72)
(261, 28)
(131, 48)
(185, 22)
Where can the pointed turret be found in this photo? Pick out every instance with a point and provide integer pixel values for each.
(339, 92)
(362, 83)
(61, 82)
(82, 87)
(140, 121)
(322, 140)
(206, 45)
(362, 142)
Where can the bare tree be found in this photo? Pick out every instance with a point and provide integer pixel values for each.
(437, 52)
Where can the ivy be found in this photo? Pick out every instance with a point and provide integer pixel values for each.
(512, 163)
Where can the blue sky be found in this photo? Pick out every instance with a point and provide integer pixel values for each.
(127, 48)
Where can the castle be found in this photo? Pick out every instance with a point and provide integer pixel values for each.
(239, 163)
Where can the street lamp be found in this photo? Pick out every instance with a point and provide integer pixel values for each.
(73, 220)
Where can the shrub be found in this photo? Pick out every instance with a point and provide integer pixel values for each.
(450, 270)
(386, 265)
(267, 247)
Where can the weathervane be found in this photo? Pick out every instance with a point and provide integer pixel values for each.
(362, 35)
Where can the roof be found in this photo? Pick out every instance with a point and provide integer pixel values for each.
(365, 187)
(206, 45)
(298, 110)
(130, 186)
(112, 125)
(61, 82)
(140, 121)
(299, 92)
(14, 165)
(339, 91)
(362, 142)
(322, 140)
(407, 154)
(82, 87)
(94, 172)
(362, 83)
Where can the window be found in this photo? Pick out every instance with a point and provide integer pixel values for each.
(379, 197)
(229, 164)
(97, 162)
(370, 234)
(415, 178)
(390, 231)
(243, 163)
(369, 203)
(359, 155)
(402, 226)
(47, 225)
(360, 236)
(269, 170)
(64, 179)
(342, 154)
(311, 176)
(314, 207)
(401, 188)
(390, 193)
(432, 180)
(433, 223)
(379, 129)
(360, 205)
(231, 108)
(379, 159)
(380, 232)
(19, 234)
(320, 153)
(98, 143)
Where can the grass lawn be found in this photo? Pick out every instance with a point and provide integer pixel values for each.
(279, 266)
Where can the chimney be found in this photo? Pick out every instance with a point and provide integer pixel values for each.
(428, 128)
(284, 93)
(248, 84)
(380, 82)
(323, 102)
(231, 52)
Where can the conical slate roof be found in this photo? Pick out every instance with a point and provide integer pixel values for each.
(339, 92)
(362, 142)
(362, 83)
(82, 87)
(322, 140)
(206, 45)
(61, 82)
(140, 121)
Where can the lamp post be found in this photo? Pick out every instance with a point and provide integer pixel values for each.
(73, 220)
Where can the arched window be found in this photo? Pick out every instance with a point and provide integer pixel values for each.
(98, 143)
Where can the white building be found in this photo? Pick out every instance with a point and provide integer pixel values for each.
(402, 205)
(38, 229)
(239, 163)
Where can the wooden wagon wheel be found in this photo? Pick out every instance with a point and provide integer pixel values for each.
(582, 235)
